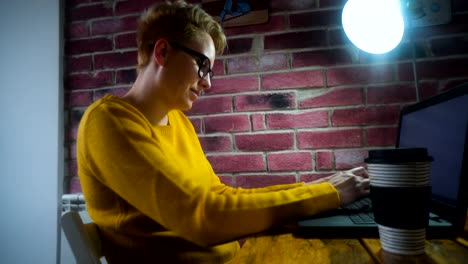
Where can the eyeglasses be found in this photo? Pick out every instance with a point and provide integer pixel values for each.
(204, 64)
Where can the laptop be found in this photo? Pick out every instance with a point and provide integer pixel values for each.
(439, 124)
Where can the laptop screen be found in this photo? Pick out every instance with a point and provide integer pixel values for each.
(440, 125)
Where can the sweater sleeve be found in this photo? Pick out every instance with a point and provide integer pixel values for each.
(136, 167)
(220, 188)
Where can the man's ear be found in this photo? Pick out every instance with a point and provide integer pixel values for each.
(160, 52)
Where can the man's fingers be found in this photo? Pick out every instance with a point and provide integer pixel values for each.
(364, 183)
(355, 169)
(359, 171)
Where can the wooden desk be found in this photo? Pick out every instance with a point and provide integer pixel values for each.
(285, 248)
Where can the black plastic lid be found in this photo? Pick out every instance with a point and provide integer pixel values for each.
(400, 155)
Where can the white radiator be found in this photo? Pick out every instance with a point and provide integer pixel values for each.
(73, 202)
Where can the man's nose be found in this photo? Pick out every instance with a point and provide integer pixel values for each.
(205, 82)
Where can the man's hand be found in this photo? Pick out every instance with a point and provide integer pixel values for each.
(351, 184)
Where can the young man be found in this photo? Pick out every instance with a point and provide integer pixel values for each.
(147, 183)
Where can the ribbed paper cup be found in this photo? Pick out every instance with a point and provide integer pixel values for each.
(399, 175)
(402, 241)
(400, 193)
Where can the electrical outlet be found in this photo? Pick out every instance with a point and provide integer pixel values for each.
(432, 12)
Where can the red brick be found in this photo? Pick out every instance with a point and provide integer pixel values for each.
(114, 25)
(233, 84)
(66, 175)
(258, 122)
(281, 6)
(405, 72)
(226, 179)
(325, 57)
(130, 7)
(87, 45)
(332, 3)
(296, 40)
(334, 97)
(391, 94)
(313, 176)
(128, 40)
(127, 76)
(72, 151)
(330, 17)
(227, 123)
(324, 160)
(211, 105)
(337, 37)
(258, 181)
(299, 120)
(347, 159)
(252, 64)
(70, 133)
(381, 136)
(343, 138)
(290, 161)
(216, 143)
(449, 84)
(89, 11)
(115, 60)
(75, 185)
(76, 64)
(297, 79)
(75, 116)
(379, 115)
(456, 25)
(218, 68)
(404, 51)
(117, 91)
(428, 89)
(237, 162)
(359, 74)
(73, 167)
(80, 98)
(74, 3)
(442, 68)
(76, 30)
(241, 64)
(275, 23)
(264, 101)
(265, 142)
(88, 80)
(196, 122)
(238, 45)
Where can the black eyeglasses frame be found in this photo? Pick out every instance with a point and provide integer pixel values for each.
(200, 59)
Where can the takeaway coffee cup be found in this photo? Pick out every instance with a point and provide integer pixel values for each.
(400, 192)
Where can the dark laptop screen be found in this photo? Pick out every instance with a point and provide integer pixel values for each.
(440, 126)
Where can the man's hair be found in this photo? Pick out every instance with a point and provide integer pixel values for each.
(178, 21)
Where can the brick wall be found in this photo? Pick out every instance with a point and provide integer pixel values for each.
(292, 99)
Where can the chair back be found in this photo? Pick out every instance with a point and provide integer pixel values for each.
(83, 238)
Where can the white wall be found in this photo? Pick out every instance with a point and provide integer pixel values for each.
(31, 130)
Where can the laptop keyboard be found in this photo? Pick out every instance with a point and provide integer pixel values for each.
(360, 211)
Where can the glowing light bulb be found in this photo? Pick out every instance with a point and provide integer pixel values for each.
(374, 26)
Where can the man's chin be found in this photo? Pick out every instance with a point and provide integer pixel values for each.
(187, 106)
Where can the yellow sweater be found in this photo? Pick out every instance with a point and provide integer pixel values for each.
(154, 195)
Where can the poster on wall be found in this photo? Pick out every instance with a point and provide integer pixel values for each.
(230, 13)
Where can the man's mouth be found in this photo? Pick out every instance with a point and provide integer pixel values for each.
(195, 92)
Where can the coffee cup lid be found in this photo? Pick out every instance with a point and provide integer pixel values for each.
(400, 155)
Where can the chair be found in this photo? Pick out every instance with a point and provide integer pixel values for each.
(83, 238)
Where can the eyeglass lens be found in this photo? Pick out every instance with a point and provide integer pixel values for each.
(205, 68)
